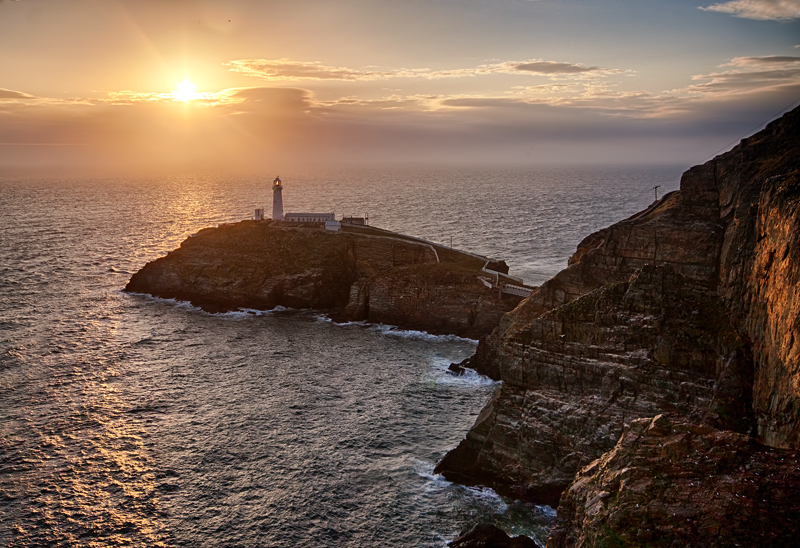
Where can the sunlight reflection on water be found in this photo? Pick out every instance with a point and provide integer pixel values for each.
(137, 422)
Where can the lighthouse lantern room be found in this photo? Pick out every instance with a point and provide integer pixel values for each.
(277, 200)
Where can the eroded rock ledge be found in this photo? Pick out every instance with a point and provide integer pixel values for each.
(354, 275)
(691, 308)
(673, 483)
(578, 373)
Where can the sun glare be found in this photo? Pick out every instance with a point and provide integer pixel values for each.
(186, 91)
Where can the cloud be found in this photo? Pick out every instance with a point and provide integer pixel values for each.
(568, 85)
(770, 60)
(573, 112)
(208, 98)
(742, 79)
(287, 69)
(748, 75)
(551, 67)
(762, 10)
(290, 70)
(230, 129)
(11, 94)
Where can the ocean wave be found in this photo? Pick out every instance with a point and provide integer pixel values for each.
(425, 470)
(413, 334)
(256, 312)
(232, 314)
(398, 332)
(326, 319)
(174, 302)
(360, 323)
(485, 497)
(238, 313)
(383, 329)
(323, 318)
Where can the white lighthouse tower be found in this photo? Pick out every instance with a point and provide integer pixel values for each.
(277, 200)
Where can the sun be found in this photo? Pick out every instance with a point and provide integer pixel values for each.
(186, 92)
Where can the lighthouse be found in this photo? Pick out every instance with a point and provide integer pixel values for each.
(277, 200)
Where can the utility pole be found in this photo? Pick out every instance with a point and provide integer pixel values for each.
(655, 189)
(451, 242)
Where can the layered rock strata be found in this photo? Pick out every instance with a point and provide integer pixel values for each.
(691, 307)
(673, 483)
(577, 374)
(261, 265)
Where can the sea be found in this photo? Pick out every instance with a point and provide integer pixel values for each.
(127, 420)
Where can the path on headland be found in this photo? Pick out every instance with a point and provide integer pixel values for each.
(497, 279)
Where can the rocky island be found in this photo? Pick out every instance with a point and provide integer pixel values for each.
(357, 273)
(651, 390)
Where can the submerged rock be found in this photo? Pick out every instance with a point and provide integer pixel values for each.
(488, 536)
(459, 368)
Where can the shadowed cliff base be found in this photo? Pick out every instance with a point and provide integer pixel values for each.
(354, 274)
(690, 308)
(490, 536)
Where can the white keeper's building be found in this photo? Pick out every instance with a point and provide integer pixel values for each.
(278, 215)
(309, 217)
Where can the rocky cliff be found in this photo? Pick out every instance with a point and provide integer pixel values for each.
(369, 274)
(691, 308)
(673, 483)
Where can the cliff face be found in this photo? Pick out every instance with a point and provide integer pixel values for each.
(248, 265)
(408, 295)
(760, 269)
(672, 483)
(384, 279)
(690, 307)
(576, 374)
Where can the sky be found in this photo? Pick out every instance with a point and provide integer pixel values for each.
(244, 85)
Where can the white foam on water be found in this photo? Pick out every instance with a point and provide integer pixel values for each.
(243, 313)
(443, 541)
(413, 334)
(232, 314)
(239, 313)
(433, 481)
(360, 323)
(256, 312)
(549, 511)
(174, 302)
(323, 318)
(485, 497)
(384, 329)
